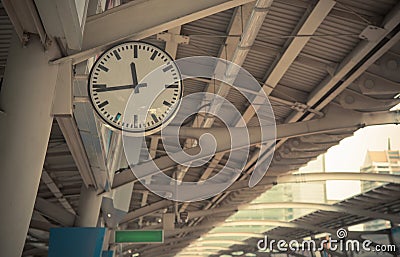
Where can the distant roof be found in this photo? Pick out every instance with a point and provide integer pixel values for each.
(380, 156)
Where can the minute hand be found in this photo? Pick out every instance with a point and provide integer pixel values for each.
(105, 89)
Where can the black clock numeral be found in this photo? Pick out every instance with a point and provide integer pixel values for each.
(103, 104)
(167, 68)
(154, 117)
(105, 69)
(99, 86)
(135, 51)
(117, 117)
(167, 103)
(153, 56)
(135, 121)
(117, 55)
(172, 86)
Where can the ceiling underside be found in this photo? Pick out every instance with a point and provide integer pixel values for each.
(302, 83)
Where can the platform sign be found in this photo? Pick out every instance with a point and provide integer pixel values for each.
(76, 242)
(139, 236)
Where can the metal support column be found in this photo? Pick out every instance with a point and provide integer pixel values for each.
(26, 97)
(89, 208)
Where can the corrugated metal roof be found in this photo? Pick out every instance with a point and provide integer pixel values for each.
(191, 86)
(61, 167)
(280, 111)
(257, 63)
(303, 78)
(334, 48)
(206, 32)
(367, 7)
(280, 22)
(6, 30)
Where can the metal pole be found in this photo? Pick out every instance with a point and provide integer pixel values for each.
(89, 208)
(26, 97)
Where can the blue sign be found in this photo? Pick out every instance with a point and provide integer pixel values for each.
(76, 242)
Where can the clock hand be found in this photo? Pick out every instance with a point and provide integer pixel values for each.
(134, 75)
(106, 89)
(139, 86)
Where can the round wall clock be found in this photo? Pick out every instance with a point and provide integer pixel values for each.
(141, 73)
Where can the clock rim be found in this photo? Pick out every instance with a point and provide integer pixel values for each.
(145, 131)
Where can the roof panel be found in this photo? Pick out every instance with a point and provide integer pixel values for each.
(336, 47)
(205, 35)
(280, 22)
(6, 31)
(367, 7)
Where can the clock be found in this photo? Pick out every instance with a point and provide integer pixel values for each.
(135, 87)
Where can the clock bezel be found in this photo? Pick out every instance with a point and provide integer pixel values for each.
(145, 131)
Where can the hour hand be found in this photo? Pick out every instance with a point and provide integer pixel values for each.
(133, 73)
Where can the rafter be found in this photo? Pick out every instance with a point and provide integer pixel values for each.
(105, 29)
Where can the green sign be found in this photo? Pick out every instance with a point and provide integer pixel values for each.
(139, 236)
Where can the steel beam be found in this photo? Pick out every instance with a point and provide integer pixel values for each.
(171, 47)
(282, 64)
(51, 185)
(145, 194)
(233, 51)
(15, 18)
(54, 212)
(160, 250)
(239, 234)
(356, 58)
(352, 119)
(298, 205)
(163, 250)
(346, 69)
(89, 133)
(25, 19)
(220, 241)
(285, 224)
(309, 26)
(41, 225)
(270, 180)
(145, 210)
(71, 134)
(105, 29)
(188, 229)
(315, 177)
(35, 252)
(312, 22)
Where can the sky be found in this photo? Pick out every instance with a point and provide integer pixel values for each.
(349, 156)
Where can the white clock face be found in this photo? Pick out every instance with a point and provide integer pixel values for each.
(141, 73)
